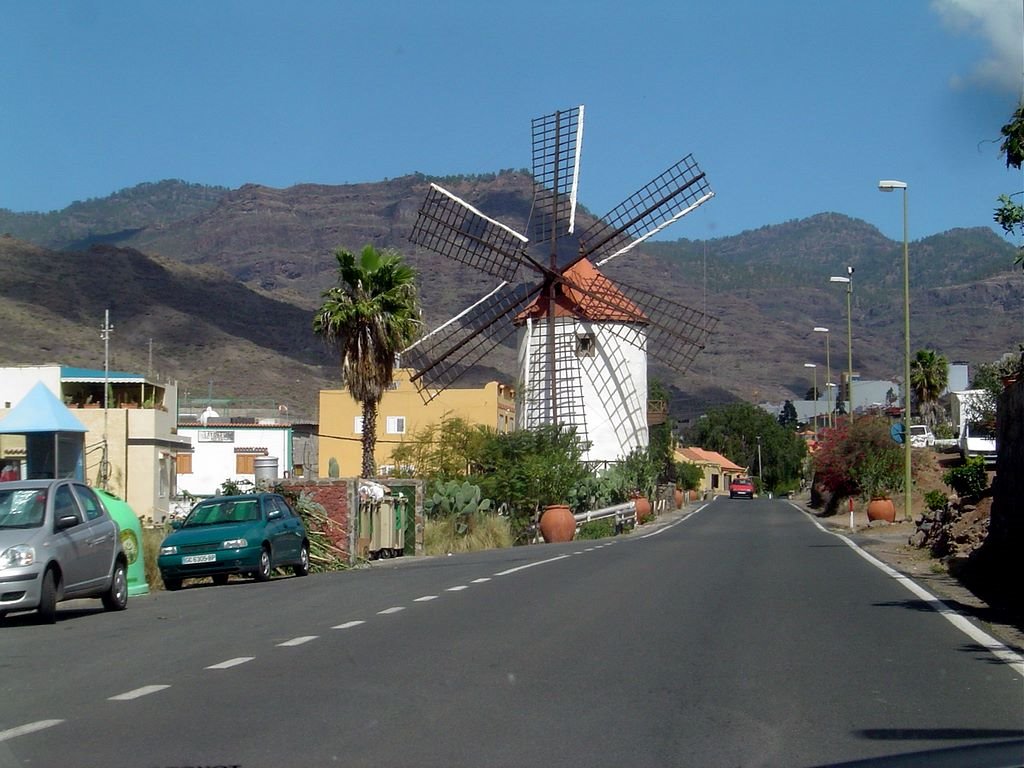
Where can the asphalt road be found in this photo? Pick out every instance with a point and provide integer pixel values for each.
(738, 635)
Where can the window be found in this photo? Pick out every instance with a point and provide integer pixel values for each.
(586, 345)
(89, 502)
(396, 425)
(64, 504)
(245, 463)
(184, 463)
(357, 425)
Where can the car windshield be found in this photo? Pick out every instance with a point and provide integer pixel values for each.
(217, 512)
(22, 508)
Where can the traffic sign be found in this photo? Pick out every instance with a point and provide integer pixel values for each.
(897, 432)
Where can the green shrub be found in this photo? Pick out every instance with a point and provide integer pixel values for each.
(968, 480)
(935, 500)
(596, 529)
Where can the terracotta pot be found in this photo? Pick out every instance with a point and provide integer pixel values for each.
(882, 509)
(557, 523)
(678, 498)
(643, 508)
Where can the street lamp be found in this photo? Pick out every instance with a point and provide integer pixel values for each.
(812, 365)
(849, 335)
(889, 185)
(828, 376)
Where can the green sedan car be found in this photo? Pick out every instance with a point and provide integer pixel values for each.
(251, 534)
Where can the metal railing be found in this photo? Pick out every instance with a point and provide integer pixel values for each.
(623, 514)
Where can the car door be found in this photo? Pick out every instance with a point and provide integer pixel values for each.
(286, 533)
(71, 546)
(102, 536)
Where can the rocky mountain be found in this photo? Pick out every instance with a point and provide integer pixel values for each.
(177, 261)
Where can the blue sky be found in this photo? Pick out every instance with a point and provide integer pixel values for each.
(792, 108)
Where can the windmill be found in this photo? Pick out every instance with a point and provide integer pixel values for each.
(583, 340)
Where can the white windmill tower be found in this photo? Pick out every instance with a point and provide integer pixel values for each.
(583, 340)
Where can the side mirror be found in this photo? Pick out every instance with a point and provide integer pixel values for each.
(66, 521)
(176, 523)
(274, 514)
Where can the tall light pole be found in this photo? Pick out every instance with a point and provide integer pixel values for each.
(849, 335)
(889, 185)
(828, 376)
(812, 365)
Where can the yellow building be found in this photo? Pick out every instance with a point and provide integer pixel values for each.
(402, 413)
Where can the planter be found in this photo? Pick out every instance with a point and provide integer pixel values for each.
(643, 509)
(678, 496)
(882, 509)
(557, 523)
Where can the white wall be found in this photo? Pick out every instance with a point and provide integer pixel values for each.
(614, 383)
(213, 461)
(16, 382)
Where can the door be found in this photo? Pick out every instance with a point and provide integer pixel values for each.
(284, 528)
(102, 536)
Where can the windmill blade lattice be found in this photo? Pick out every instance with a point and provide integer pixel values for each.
(557, 142)
(451, 227)
(661, 202)
(443, 355)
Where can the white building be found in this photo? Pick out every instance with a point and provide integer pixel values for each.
(600, 365)
(228, 449)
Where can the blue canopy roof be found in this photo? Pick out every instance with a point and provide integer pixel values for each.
(40, 411)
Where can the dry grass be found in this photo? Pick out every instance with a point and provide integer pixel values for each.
(489, 532)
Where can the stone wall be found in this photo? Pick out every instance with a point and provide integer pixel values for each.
(338, 497)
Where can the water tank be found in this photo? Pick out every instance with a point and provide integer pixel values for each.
(265, 468)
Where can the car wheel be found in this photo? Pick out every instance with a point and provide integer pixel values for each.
(263, 572)
(303, 567)
(116, 598)
(171, 584)
(48, 598)
(220, 579)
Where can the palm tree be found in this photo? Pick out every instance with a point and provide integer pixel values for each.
(929, 375)
(371, 315)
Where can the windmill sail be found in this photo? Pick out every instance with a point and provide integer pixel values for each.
(660, 203)
(451, 227)
(557, 143)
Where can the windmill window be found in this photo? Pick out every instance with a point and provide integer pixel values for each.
(586, 345)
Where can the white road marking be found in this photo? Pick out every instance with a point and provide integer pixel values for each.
(425, 599)
(457, 589)
(387, 611)
(480, 581)
(22, 730)
(297, 641)
(1013, 660)
(349, 624)
(531, 565)
(231, 662)
(138, 693)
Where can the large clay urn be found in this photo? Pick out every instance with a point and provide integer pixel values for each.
(678, 498)
(882, 509)
(557, 523)
(643, 509)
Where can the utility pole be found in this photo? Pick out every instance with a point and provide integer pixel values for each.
(105, 332)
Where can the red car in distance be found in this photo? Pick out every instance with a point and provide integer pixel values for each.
(741, 486)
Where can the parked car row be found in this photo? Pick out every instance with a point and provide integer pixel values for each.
(58, 542)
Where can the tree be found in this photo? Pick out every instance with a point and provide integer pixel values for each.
(788, 416)
(661, 444)
(1010, 215)
(733, 431)
(370, 316)
(929, 375)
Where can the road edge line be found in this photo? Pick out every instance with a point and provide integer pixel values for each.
(997, 648)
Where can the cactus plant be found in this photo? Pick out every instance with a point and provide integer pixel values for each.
(459, 501)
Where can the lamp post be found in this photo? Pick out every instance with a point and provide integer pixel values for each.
(828, 376)
(889, 185)
(812, 365)
(760, 479)
(849, 335)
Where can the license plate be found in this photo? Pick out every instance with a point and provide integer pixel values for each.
(193, 559)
